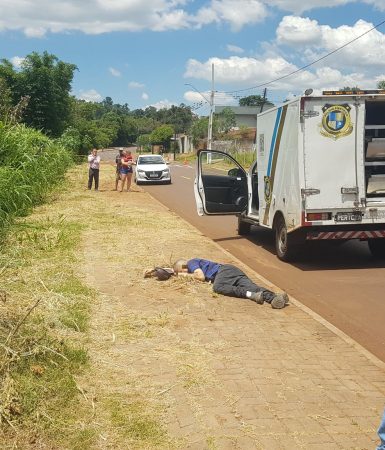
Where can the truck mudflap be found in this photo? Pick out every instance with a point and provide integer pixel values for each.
(352, 234)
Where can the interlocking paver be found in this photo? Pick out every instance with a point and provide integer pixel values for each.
(233, 374)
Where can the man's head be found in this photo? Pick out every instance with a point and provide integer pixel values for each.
(121, 152)
(128, 152)
(94, 151)
(180, 266)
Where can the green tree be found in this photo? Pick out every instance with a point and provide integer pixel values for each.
(162, 135)
(199, 129)
(127, 132)
(47, 82)
(144, 142)
(8, 77)
(180, 117)
(225, 120)
(5, 100)
(71, 140)
(254, 100)
(381, 84)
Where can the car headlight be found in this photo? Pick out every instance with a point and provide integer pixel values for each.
(141, 172)
(166, 171)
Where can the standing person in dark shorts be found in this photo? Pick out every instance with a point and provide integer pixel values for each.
(126, 169)
(93, 171)
(118, 161)
(229, 280)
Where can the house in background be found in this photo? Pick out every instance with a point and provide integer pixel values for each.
(245, 116)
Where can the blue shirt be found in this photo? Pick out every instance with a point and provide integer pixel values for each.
(209, 268)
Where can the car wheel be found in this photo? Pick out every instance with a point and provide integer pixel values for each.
(287, 245)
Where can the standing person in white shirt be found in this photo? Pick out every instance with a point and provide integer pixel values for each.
(93, 172)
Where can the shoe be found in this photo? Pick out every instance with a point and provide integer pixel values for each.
(280, 301)
(257, 297)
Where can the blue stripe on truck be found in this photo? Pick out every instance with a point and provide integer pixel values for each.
(273, 140)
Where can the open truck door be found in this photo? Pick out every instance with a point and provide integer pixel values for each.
(220, 185)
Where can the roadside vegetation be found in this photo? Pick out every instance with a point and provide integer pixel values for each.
(44, 312)
(31, 165)
(47, 394)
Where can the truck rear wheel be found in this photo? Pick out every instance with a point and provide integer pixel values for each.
(243, 227)
(377, 248)
(286, 245)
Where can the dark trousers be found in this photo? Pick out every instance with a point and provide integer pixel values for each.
(233, 282)
(93, 174)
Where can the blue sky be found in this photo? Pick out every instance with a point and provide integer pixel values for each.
(144, 52)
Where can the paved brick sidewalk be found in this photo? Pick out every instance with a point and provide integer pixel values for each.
(230, 374)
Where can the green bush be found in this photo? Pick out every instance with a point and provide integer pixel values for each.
(31, 165)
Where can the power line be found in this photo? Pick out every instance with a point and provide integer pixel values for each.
(310, 64)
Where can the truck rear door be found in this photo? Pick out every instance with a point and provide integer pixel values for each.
(333, 136)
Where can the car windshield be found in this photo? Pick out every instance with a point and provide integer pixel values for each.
(151, 160)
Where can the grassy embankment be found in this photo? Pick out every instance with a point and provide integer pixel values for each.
(45, 308)
(43, 305)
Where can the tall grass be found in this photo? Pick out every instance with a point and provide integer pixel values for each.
(31, 165)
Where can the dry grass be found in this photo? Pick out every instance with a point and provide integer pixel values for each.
(44, 312)
(93, 363)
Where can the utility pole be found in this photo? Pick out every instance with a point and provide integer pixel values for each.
(211, 116)
(263, 99)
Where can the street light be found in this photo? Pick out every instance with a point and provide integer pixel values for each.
(211, 103)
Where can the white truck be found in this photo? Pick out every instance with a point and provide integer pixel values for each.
(319, 173)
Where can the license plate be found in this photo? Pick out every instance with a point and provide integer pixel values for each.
(153, 175)
(348, 217)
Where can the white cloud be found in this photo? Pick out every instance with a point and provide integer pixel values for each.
(35, 32)
(38, 17)
(163, 104)
(17, 61)
(234, 48)
(379, 4)
(294, 30)
(239, 70)
(135, 85)
(196, 97)
(298, 7)
(303, 33)
(145, 96)
(243, 73)
(237, 13)
(90, 96)
(114, 72)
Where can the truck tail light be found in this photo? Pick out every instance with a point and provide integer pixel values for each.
(311, 217)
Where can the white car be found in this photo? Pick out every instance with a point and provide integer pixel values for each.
(152, 168)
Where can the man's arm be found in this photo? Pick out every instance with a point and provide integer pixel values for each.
(197, 275)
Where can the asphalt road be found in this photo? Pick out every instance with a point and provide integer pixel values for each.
(341, 283)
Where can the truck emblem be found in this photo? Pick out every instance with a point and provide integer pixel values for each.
(267, 190)
(336, 122)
